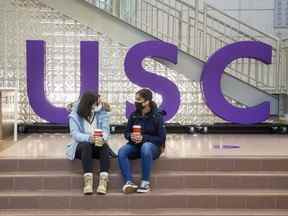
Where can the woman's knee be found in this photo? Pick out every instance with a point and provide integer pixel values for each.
(104, 151)
(146, 149)
(83, 146)
(105, 147)
(123, 152)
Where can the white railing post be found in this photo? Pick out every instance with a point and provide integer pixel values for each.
(286, 67)
(196, 34)
(284, 62)
(179, 42)
(116, 8)
(204, 40)
(16, 109)
(278, 75)
(135, 12)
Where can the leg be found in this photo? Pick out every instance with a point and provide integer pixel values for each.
(84, 152)
(149, 152)
(126, 151)
(103, 154)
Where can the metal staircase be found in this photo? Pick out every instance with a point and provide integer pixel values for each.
(198, 30)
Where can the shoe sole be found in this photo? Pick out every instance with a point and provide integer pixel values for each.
(101, 192)
(143, 191)
(88, 193)
(129, 190)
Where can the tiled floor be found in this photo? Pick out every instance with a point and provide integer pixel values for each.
(178, 146)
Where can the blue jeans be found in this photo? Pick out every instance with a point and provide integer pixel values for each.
(147, 152)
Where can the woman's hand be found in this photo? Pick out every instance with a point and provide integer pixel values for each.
(98, 141)
(106, 106)
(69, 107)
(136, 138)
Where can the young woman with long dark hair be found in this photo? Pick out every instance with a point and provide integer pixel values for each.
(87, 115)
(146, 145)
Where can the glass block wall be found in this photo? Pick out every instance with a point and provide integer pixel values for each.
(23, 20)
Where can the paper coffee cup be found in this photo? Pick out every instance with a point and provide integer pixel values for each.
(98, 133)
(136, 129)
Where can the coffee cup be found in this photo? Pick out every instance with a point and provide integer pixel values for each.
(98, 133)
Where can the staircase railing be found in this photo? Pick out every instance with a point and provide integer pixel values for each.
(284, 61)
(200, 30)
(221, 29)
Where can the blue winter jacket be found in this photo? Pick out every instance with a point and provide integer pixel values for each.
(76, 126)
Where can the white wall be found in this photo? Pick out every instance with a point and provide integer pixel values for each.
(258, 13)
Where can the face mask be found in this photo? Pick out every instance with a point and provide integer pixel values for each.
(97, 108)
(139, 106)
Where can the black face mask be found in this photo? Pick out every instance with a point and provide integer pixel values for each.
(139, 106)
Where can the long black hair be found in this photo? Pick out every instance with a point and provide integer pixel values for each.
(147, 95)
(87, 100)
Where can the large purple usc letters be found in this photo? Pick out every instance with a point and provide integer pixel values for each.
(35, 78)
(143, 78)
(89, 76)
(210, 80)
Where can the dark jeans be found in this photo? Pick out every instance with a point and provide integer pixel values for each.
(86, 152)
(148, 152)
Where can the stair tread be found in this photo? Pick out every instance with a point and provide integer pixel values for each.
(163, 157)
(158, 173)
(203, 212)
(155, 192)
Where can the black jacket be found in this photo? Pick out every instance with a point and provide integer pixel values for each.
(152, 127)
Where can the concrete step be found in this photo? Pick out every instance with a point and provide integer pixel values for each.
(163, 164)
(70, 180)
(157, 199)
(145, 212)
